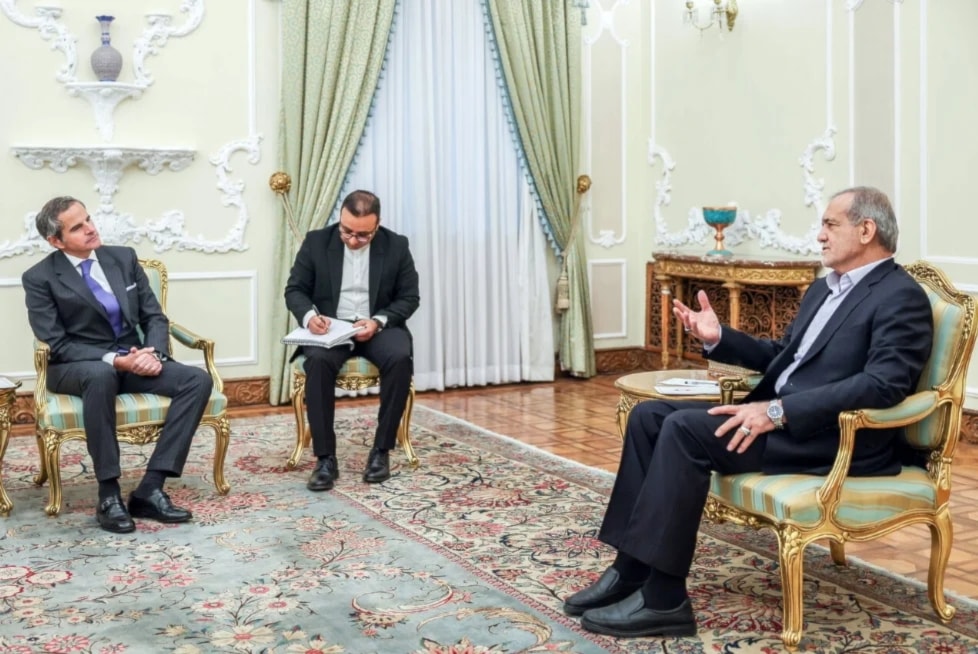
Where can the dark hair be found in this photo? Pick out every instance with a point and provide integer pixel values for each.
(362, 203)
(47, 221)
(869, 203)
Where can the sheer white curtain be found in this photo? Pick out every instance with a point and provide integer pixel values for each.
(439, 153)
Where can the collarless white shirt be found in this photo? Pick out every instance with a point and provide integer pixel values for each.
(354, 300)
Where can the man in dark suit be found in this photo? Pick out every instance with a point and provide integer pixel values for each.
(861, 338)
(86, 301)
(363, 273)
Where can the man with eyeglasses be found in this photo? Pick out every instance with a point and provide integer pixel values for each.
(358, 271)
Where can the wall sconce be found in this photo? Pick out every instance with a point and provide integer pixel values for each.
(722, 14)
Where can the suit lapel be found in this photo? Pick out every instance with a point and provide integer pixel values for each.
(117, 283)
(856, 297)
(377, 251)
(70, 277)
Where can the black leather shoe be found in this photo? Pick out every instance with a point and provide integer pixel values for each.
(112, 516)
(607, 590)
(630, 618)
(157, 507)
(325, 474)
(378, 467)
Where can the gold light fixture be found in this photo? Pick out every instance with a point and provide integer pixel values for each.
(722, 14)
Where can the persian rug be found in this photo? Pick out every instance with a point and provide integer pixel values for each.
(470, 553)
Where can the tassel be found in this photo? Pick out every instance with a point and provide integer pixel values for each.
(563, 293)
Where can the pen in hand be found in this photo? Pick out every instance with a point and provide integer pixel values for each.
(322, 320)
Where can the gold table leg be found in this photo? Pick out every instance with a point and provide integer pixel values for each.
(7, 397)
(625, 404)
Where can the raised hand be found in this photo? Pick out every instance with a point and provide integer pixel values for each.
(702, 324)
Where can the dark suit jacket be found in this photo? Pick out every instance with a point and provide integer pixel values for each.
(64, 313)
(317, 276)
(869, 355)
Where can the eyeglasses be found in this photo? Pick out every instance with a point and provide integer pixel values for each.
(363, 237)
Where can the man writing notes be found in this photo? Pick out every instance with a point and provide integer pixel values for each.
(860, 340)
(87, 301)
(358, 271)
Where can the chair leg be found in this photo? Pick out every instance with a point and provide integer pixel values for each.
(222, 435)
(52, 462)
(404, 430)
(838, 550)
(791, 556)
(301, 435)
(42, 475)
(941, 537)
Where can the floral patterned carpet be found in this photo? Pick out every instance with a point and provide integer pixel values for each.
(470, 553)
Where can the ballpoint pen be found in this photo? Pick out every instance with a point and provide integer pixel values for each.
(319, 315)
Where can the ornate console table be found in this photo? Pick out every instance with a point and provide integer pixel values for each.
(760, 296)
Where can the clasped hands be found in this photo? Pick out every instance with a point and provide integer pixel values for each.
(747, 421)
(144, 362)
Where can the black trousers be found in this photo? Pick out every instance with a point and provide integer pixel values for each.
(663, 481)
(98, 384)
(390, 351)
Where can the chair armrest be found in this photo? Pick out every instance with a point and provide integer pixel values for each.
(42, 352)
(730, 385)
(195, 342)
(912, 409)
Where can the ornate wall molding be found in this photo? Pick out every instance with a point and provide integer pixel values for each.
(606, 238)
(108, 164)
(104, 97)
(766, 227)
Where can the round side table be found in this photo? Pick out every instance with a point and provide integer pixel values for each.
(640, 386)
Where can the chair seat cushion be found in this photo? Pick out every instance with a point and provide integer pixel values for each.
(358, 366)
(865, 500)
(64, 412)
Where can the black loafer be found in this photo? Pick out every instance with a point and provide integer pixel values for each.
(325, 474)
(157, 507)
(607, 590)
(378, 467)
(112, 516)
(630, 618)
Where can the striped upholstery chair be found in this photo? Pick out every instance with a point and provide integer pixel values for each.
(804, 508)
(139, 416)
(355, 375)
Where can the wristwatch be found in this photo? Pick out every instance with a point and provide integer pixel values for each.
(776, 413)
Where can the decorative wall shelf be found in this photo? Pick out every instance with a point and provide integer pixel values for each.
(105, 96)
(108, 164)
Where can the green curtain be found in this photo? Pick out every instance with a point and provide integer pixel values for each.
(539, 45)
(332, 56)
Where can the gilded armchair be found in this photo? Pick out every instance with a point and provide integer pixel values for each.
(139, 416)
(356, 374)
(804, 508)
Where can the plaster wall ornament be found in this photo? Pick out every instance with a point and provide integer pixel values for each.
(108, 165)
(46, 23)
(159, 31)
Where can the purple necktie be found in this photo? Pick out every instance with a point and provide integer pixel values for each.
(105, 298)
